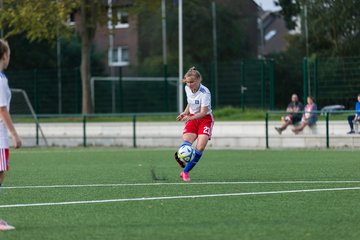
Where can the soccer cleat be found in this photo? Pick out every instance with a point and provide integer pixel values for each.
(185, 176)
(351, 132)
(4, 226)
(181, 163)
(278, 130)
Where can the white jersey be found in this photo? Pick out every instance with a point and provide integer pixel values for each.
(202, 98)
(5, 97)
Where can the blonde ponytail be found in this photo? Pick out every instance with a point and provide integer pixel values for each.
(193, 72)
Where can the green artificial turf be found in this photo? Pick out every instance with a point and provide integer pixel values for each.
(149, 173)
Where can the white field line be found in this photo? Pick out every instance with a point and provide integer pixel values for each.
(177, 197)
(82, 150)
(179, 183)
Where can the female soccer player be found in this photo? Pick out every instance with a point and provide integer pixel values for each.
(198, 117)
(5, 120)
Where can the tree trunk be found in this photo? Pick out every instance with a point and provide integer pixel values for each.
(85, 76)
(87, 32)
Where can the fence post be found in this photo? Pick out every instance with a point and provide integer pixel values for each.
(327, 131)
(37, 132)
(78, 83)
(84, 130)
(215, 84)
(134, 131)
(262, 83)
(272, 84)
(120, 90)
(267, 129)
(35, 77)
(242, 83)
(166, 99)
(315, 77)
(305, 79)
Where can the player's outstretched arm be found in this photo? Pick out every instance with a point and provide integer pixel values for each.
(185, 113)
(201, 114)
(6, 118)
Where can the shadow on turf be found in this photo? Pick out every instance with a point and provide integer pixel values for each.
(157, 177)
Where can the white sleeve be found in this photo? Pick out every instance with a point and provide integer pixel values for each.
(206, 100)
(3, 94)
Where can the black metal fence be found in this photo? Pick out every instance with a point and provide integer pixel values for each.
(246, 84)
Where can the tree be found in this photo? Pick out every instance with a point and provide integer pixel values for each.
(232, 36)
(90, 13)
(333, 26)
(290, 10)
(47, 20)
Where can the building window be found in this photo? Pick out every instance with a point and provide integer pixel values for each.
(270, 35)
(71, 19)
(119, 56)
(120, 19)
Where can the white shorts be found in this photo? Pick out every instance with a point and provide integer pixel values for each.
(4, 159)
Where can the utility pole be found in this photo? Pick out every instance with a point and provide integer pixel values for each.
(164, 43)
(307, 46)
(163, 21)
(1, 30)
(215, 53)
(181, 61)
(110, 55)
(58, 63)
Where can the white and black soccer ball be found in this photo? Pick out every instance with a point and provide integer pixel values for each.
(186, 153)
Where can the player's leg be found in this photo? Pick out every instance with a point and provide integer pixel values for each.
(202, 141)
(188, 139)
(204, 135)
(4, 157)
(4, 163)
(189, 136)
(2, 177)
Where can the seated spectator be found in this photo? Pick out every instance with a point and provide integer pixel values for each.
(294, 114)
(354, 117)
(309, 117)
